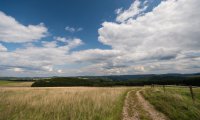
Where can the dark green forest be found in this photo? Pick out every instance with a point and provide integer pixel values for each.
(103, 81)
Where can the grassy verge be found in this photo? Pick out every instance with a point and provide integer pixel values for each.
(73, 103)
(5, 83)
(176, 102)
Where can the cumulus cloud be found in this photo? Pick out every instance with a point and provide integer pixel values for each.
(72, 42)
(165, 33)
(18, 69)
(135, 9)
(12, 31)
(171, 25)
(2, 48)
(72, 29)
(60, 39)
(118, 11)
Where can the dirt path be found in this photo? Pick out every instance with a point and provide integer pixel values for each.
(154, 114)
(139, 107)
(126, 116)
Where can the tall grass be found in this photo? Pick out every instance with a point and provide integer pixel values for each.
(73, 103)
(176, 102)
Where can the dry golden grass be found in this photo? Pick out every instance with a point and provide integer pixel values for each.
(71, 103)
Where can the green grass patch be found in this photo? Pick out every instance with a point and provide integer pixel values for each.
(5, 83)
(176, 102)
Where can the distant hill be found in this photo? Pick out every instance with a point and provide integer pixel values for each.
(122, 80)
(144, 76)
(113, 80)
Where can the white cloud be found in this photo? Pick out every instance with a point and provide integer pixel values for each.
(72, 42)
(59, 71)
(135, 9)
(15, 32)
(51, 44)
(164, 34)
(44, 58)
(18, 70)
(60, 39)
(118, 11)
(172, 25)
(48, 68)
(79, 29)
(72, 29)
(2, 48)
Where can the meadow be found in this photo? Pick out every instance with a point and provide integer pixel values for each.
(70, 103)
(19, 101)
(5, 83)
(176, 102)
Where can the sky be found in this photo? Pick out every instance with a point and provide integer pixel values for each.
(42, 38)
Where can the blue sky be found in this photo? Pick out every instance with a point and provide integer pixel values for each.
(57, 14)
(75, 37)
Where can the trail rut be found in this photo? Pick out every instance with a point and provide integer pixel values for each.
(146, 106)
(126, 116)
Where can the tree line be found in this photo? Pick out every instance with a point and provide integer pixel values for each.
(105, 82)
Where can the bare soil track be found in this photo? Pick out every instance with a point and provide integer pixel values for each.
(153, 114)
(126, 115)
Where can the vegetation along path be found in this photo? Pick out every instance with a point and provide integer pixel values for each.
(137, 108)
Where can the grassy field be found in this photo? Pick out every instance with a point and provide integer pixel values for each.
(4, 83)
(176, 102)
(94, 103)
(71, 103)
